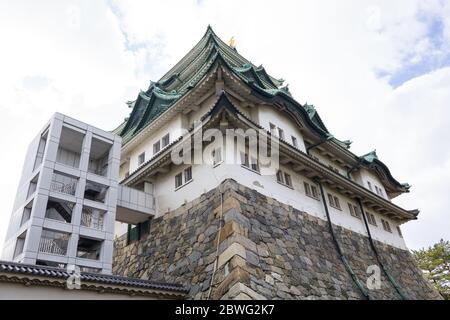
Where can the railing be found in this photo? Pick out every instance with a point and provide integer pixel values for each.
(47, 245)
(90, 220)
(67, 188)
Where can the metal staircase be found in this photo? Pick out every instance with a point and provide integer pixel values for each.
(64, 210)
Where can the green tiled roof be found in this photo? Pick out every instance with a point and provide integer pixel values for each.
(371, 160)
(370, 157)
(185, 75)
(161, 95)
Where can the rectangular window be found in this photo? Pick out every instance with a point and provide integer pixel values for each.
(178, 180)
(379, 191)
(331, 200)
(141, 158)
(249, 162)
(337, 203)
(311, 191)
(294, 141)
(354, 210)
(244, 159)
(156, 147)
(254, 164)
(273, 128)
(307, 189)
(165, 140)
(187, 174)
(371, 218)
(284, 178)
(399, 232)
(217, 156)
(315, 192)
(280, 177)
(280, 133)
(370, 185)
(350, 208)
(288, 180)
(334, 202)
(386, 225)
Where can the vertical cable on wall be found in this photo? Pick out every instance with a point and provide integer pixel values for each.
(339, 250)
(374, 249)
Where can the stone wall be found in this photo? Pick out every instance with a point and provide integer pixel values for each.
(266, 250)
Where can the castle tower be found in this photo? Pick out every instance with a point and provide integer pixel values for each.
(310, 224)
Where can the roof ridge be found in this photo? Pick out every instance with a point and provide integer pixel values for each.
(15, 267)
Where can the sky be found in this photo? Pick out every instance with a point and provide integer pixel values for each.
(377, 71)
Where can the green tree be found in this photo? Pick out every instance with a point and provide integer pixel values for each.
(435, 262)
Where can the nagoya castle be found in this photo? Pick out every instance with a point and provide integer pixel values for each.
(219, 181)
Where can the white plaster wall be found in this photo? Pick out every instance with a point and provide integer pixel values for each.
(173, 127)
(363, 176)
(124, 169)
(380, 234)
(206, 177)
(120, 228)
(205, 106)
(267, 114)
(16, 291)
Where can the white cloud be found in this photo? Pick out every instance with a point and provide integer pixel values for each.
(86, 58)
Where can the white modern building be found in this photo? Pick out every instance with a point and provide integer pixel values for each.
(68, 199)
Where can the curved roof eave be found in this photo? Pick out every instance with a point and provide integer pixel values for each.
(371, 160)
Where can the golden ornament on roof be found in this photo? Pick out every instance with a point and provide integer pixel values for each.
(232, 43)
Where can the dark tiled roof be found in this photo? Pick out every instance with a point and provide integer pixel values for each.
(185, 75)
(53, 272)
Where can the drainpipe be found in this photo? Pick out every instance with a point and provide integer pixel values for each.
(319, 143)
(356, 166)
(338, 247)
(374, 249)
